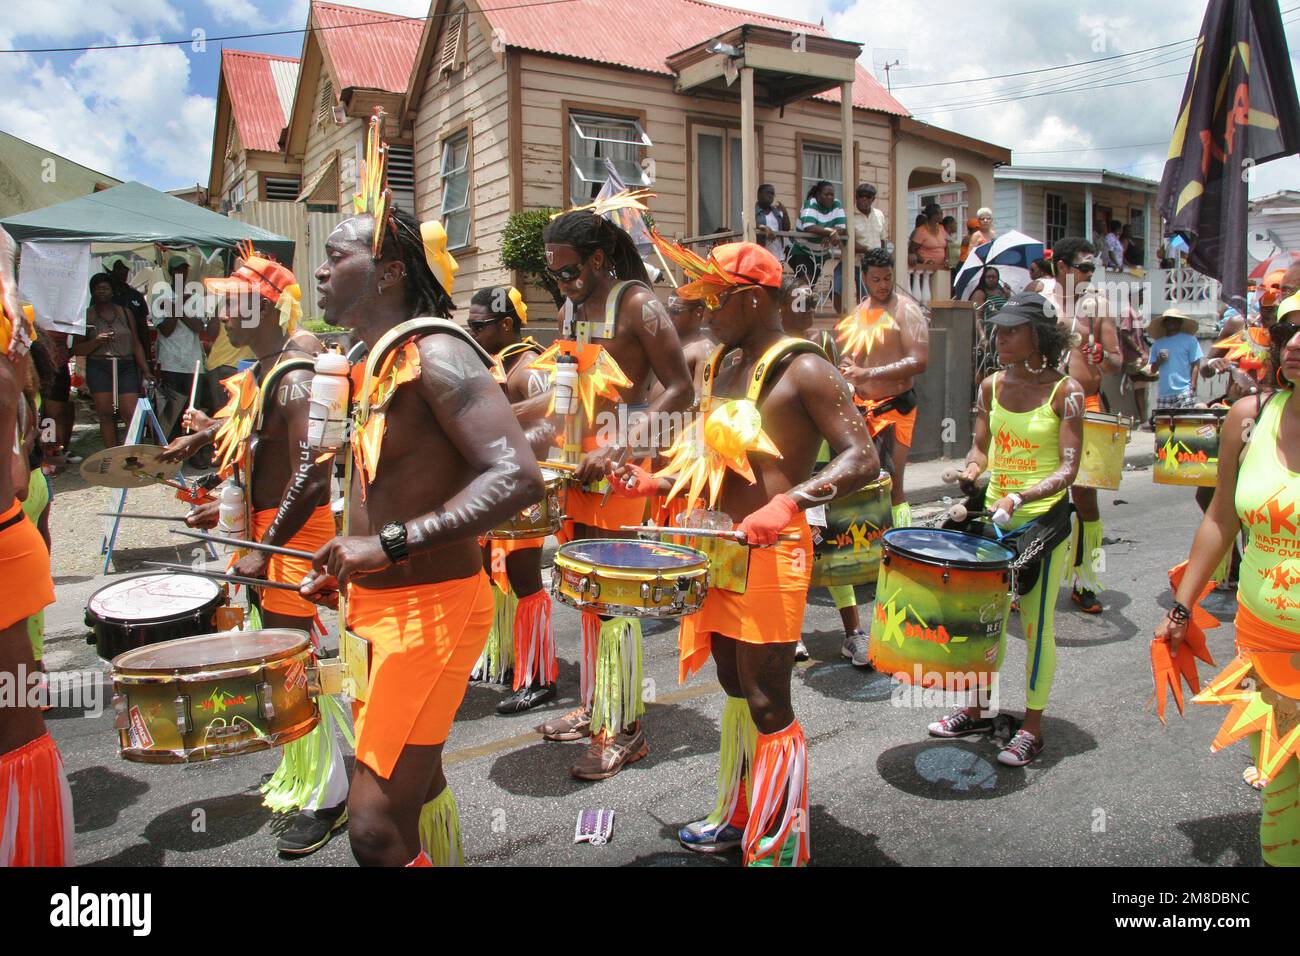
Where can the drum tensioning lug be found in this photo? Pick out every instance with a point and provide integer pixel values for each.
(265, 703)
(121, 719)
(947, 576)
(183, 722)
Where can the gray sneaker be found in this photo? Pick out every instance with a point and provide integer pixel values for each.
(800, 652)
(855, 649)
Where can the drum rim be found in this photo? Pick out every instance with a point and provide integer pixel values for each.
(694, 552)
(965, 565)
(1171, 414)
(119, 669)
(150, 574)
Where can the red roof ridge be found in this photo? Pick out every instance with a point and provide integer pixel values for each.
(261, 56)
(380, 14)
(766, 16)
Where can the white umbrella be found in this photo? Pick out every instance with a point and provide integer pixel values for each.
(1010, 254)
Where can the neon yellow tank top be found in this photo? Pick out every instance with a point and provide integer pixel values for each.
(1024, 448)
(1268, 504)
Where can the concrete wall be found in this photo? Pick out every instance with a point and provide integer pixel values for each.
(945, 390)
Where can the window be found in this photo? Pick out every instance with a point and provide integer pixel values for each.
(1055, 224)
(717, 201)
(951, 200)
(454, 210)
(593, 139)
(236, 194)
(401, 176)
(281, 188)
(822, 162)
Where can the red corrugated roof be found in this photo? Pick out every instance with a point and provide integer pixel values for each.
(370, 50)
(642, 34)
(254, 102)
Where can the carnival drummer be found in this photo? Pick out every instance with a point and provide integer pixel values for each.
(767, 403)
(1028, 434)
(623, 339)
(1084, 310)
(410, 560)
(1258, 490)
(35, 801)
(265, 424)
(522, 637)
(884, 345)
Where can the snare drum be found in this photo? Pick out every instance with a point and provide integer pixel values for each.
(630, 578)
(149, 608)
(215, 695)
(538, 519)
(847, 550)
(941, 604)
(1102, 463)
(1187, 446)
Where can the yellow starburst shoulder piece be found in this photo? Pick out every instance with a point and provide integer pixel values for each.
(701, 455)
(599, 375)
(237, 417)
(863, 329)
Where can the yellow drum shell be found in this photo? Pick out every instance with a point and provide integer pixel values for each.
(540, 518)
(847, 550)
(607, 587)
(1187, 446)
(214, 695)
(1101, 464)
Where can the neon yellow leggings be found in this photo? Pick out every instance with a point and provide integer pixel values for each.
(1279, 819)
(1037, 620)
(843, 596)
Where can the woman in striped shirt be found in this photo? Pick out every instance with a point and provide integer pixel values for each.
(822, 215)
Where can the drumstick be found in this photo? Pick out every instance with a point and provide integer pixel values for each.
(251, 545)
(136, 514)
(194, 386)
(558, 466)
(223, 576)
(737, 536)
(619, 459)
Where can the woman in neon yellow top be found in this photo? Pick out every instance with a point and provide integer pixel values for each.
(1028, 430)
(1259, 490)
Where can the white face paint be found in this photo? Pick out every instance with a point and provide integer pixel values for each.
(579, 284)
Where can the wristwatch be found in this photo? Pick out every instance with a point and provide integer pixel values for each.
(392, 538)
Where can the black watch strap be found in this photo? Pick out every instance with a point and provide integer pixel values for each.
(392, 538)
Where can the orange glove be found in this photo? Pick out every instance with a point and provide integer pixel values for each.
(761, 527)
(633, 481)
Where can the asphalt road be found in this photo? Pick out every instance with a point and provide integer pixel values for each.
(1112, 787)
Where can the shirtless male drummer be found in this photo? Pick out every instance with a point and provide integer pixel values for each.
(1085, 313)
(883, 375)
(762, 801)
(288, 491)
(410, 561)
(597, 269)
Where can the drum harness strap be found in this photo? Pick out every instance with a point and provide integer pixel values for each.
(762, 369)
(1028, 542)
(519, 348)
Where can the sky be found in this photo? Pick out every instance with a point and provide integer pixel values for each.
(147, 113)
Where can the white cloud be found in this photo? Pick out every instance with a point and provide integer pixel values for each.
(77, 19)
(125, 112)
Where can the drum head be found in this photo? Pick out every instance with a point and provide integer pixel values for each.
(152, 597)
(948, 548)
(207, 652)
(1103, 417)
(651, 555)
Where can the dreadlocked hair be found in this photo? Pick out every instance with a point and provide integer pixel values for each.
(496, 299)
(403, 243)
(587, 232)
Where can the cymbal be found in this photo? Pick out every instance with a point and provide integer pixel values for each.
(128, 466)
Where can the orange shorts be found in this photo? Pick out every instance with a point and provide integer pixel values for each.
(24, 567)
(584, 507)
(1092, 403)
(424, 641)
(769, 612)
(311, 537)
(904, 424)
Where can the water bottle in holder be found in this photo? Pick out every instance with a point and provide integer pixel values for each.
(231, 510)
(327, 414)
(565, 380)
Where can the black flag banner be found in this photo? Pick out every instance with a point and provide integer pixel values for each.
(1239, 109)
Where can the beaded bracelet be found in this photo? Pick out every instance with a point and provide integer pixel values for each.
(1179, 613)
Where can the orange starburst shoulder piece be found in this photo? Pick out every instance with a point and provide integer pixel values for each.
(237, 417)
(701, 456)
(399, 366)
(1247, 349)
(598, 373)
(864, 328)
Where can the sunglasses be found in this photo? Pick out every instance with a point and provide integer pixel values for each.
(714, 302)
(1280, 333)
(568, 273)
(1087, 266)
(476, 324)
